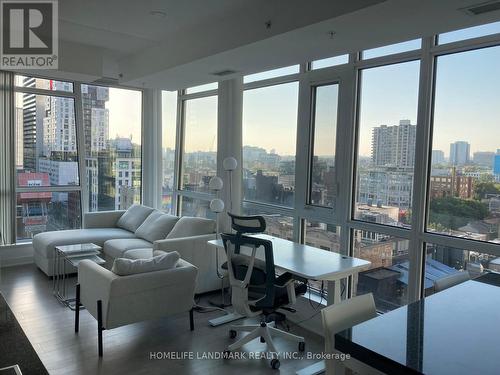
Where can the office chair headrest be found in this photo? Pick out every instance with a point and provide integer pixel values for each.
(247, 224)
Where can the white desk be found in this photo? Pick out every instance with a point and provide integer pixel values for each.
(316, 264)
(310, 263)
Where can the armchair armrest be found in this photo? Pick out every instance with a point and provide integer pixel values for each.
(102, 219)
(196, 251)
(95, 284)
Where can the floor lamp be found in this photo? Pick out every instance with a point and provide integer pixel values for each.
(229, 164)
(217, 206)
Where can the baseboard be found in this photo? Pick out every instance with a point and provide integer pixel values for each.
(18, 261)
(15, 255)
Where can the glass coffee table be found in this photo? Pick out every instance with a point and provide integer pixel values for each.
(72, 255)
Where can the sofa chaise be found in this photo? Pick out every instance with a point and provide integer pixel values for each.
(135, 234)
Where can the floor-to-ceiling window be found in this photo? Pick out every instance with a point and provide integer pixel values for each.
(386, 154)
(197, 156)
(270, 105)
(113, 137)
(47, 157)
(74, 156)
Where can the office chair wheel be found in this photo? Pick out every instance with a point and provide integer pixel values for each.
(262, 339)
(302, 346)
(232, 333)
(275, 364)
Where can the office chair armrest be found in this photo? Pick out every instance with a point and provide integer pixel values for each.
(286, 277)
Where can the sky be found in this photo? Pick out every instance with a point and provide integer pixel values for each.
(125, 114)
(467, 104)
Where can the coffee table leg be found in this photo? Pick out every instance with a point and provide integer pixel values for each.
(54, 273)
(64, 278)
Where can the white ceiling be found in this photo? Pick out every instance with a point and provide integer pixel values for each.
(126, 26)
(120, 39)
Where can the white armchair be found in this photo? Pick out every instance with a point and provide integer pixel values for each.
(196, 251)
(116, 301)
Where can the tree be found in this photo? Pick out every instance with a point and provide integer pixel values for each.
(453, 213)
(486, 187)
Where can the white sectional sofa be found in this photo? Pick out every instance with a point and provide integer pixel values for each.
(134, 234)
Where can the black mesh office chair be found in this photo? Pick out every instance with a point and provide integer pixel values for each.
(255, 289)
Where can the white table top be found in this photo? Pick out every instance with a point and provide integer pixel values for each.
(309, 262)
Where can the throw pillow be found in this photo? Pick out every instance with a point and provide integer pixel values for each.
(156, 226)
(133, 217)
(124, 267)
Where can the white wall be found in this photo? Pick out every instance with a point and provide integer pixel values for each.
(14, 255)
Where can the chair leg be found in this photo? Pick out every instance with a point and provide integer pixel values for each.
(251, 336)
(77, 308)
(268, 339)
(99, 327)
(191, 320)
(286, 335)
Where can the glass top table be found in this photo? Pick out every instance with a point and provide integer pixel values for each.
(73, 255)
(456, 331)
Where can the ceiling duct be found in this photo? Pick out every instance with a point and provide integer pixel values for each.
(223, 73)
(477, 9)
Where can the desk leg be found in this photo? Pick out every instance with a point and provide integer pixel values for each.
(354, 284)
(333, 288)
(225, 319)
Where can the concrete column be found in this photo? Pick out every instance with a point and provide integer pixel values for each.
(151, 148)
(229, 143)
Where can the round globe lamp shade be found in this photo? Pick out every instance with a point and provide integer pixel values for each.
(230, 163)
(217, 205)
(215, 183)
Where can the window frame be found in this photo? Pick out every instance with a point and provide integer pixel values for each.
(178, 192)
(348, 76)
(76, 95)
(269, 208)
(79, 137)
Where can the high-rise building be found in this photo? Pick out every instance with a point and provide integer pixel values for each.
(484, 158)
(127, 174)
(59, 130)
(394, 146)
(437, 157)
(19, 138)
(95, 117)
(496, 165)
(100, 178)
(459, 153)
(29, 126)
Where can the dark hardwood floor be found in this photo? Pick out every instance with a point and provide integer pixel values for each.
(127, 350)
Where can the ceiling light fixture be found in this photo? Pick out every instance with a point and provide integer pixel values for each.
(158, 13)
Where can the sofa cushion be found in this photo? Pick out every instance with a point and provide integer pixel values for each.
(44, 243)
(134, 217)
(140, 253)
(192, 226)
(116, 248)
(156, 226)
(125, 267)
